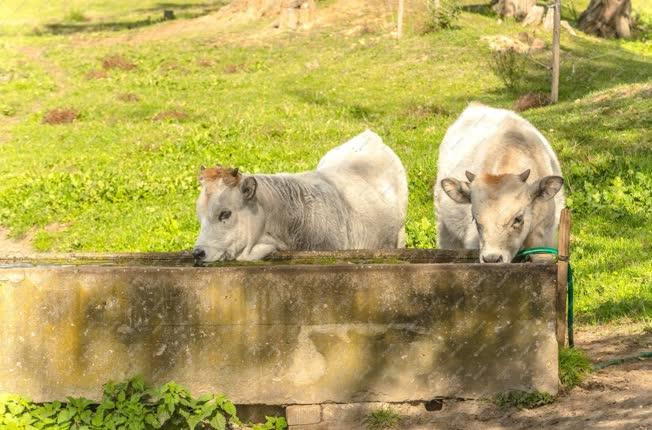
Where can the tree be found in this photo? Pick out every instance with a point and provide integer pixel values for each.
(607, 18)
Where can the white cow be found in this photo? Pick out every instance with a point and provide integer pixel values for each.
(498, 185)
(355, 199)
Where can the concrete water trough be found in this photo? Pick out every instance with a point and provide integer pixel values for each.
(301, 328)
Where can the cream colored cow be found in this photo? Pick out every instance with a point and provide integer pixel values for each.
(499, 185)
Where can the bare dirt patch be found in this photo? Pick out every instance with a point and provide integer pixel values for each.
(128, 97)
(60, 116)
(204, 62)
(171, 115)
(16, 247)
(263, 20)
(531, 101)
(232, 68)
(117, 62)
(96, 74)
(10, 246)
(171, 66)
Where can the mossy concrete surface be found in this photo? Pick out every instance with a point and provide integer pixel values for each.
(281, 334)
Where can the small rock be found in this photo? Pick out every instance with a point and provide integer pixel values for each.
(524, 36)
(534, 16)
(537, 45)
(566, 26)
(312, 65)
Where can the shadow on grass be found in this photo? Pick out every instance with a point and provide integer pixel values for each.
(160, 6)
(65, 28)
(483, 9)
(354, 111)
(183, 11)
(586, 66)
(609, 310)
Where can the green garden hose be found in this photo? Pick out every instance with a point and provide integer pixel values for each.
(545, 250)
(641, 356)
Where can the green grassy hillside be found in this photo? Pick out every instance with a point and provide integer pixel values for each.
(122, 176)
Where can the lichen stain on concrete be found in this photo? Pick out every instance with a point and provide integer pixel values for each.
(308, 364)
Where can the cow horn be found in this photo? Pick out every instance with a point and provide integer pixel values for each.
(470, 176)
(524, 175)
(234, 172)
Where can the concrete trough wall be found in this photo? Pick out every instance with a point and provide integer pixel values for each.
(393, 327)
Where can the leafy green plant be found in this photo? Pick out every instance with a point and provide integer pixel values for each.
(574, 366)
(272, 423)
(421, 234)
(509, 66)
(442, 14)
(384, 418)
(128, 405)
(522, 399)
(76, 16)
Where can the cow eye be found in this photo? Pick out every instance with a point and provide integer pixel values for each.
(224, 215)
(518, 221)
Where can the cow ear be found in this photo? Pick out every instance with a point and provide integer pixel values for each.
(459, 191)
(547, 187)
(248, 187)
(523, 176)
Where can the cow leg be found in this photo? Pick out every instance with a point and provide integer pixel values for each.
(400, 242)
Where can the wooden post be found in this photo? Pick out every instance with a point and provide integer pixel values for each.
(556, 30)
(562, 274)
(399, 27)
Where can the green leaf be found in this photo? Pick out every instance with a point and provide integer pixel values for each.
(229, 407)
(98, 419)
(64, 416)
(15, 408)
(205, 398)
(153, 421)
(218, 422)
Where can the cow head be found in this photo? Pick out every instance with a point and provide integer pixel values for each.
(502, 208)
(230, 218)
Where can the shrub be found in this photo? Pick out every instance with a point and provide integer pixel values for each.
(128, 405)
(76, 16)
(441, 14)
(510, 66)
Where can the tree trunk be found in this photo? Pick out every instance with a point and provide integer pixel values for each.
(607, 18)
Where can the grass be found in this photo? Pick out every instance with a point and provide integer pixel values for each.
(384, 418)
(122, 175)
(574, 366)
(522, 399)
